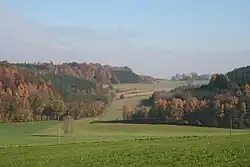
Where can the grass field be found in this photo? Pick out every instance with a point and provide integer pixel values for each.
(122, 145)
(41, 134)
(159, 86)
(99, 145)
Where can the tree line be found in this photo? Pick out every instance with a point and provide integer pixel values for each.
(102, 74)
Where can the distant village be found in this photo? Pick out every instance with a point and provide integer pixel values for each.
(193, 75)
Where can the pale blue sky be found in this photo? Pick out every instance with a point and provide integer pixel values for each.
(168, 36)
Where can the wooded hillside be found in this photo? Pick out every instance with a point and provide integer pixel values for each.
(30, 92)
(240, 75)
(221, 103)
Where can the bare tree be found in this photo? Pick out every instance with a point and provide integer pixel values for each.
(189, 80)
(67, 124)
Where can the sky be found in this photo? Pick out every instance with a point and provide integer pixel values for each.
(154, 37)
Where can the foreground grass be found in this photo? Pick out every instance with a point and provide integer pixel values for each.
(20, 133)
(182, 151)
(121, 145)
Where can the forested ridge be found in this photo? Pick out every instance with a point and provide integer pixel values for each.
(102, 74)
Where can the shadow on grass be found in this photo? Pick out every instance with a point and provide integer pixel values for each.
(44, 135)
(150, 122)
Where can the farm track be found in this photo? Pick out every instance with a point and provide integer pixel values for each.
(114, 111)
(133, 93)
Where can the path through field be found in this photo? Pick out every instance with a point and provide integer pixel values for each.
(114, 112)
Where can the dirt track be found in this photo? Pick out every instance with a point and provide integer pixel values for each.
(135, 93)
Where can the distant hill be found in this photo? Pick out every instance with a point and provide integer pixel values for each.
(102, 74)
(126, 75)
(240, 75)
